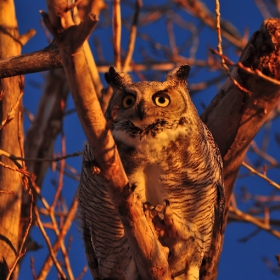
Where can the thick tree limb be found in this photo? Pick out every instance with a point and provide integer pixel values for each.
(30, 63)
(149, 254)
(49, 58)
(234, 117)
(11, 137)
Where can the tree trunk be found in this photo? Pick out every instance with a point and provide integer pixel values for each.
(11, 138)
(235, 117)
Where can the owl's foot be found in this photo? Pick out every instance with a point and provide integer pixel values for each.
(92, 166)
(150, 214)
(171, 226)
(182, 238)
(154, 217)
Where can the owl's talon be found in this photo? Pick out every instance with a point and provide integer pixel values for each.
(166, 202)
(95, 170)
(147, 205)
(147, 208)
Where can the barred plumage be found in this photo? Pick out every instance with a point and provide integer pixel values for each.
(171, 158)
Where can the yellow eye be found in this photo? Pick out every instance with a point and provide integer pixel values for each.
(128, 101)
(161, 99)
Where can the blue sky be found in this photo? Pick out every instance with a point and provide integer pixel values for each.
(239, 260)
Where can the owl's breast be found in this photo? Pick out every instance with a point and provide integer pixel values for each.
(147, 158)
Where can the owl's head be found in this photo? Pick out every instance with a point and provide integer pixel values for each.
(144, 102)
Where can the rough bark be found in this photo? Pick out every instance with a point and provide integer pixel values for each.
(38, 61)
(235, 117)
(11, 137)
(49, 58)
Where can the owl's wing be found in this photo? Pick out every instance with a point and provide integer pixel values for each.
(84, 205)
(107, 249)
(220, 185)
(218, 230)
(90, 254)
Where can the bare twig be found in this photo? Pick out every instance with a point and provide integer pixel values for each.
(250, 219)
(24, 38)
(48, 242)
(255, 72)
(199, 9)
(22, 251)
(64, 229)
(220, 50)
(32, 268)
(61, 172)
(54, 226)
(132, 36)
(258, 73)
(20, 132)
(51, 209)
(264, 155)
(263, 176)
(171, 37)
(81, 276)
(11, 168)
(249, 236)
(10, 115)
(219, 34)
(117, 25)
(263, 9)
(54, 159)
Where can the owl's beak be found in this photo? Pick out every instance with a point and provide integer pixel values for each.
(141, 110)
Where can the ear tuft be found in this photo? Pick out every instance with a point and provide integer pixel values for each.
(117, 79)
(179, 74)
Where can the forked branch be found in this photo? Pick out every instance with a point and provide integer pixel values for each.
(233, 117)
(150, 257)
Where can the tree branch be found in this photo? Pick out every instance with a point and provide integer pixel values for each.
(30, 63)
(150, 257)
(233, 117)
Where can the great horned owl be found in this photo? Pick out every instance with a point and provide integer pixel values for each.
(170, 157)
